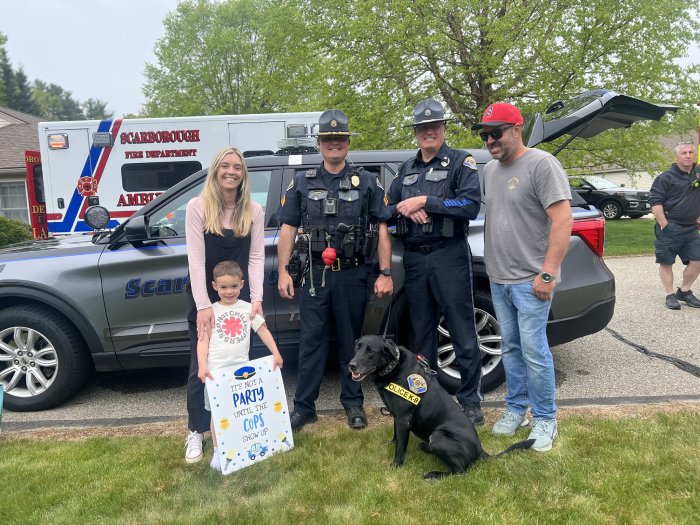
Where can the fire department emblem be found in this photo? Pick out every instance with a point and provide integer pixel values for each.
(334, 123)
(87, 186)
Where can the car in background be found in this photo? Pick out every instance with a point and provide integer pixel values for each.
(613, 200)
(116, 299)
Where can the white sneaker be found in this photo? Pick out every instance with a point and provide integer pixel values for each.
(216, 460)
(193, 447)
(509, 423)
(544, 431)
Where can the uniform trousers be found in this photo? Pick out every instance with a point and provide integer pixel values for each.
(441, 281)
(342, 300)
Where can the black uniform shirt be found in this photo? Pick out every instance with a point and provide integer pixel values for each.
(450, 179)
(296, 196)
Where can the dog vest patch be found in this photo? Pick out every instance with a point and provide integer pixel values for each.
(402, 392)
(417, 384)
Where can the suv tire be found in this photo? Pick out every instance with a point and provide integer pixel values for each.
(489, 334)
(43, 359)
(612, 210)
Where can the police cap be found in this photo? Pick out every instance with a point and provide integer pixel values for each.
(426, 111)
(333, 122)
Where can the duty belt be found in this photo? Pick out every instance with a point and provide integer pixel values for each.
(339, 264)
(430, 247)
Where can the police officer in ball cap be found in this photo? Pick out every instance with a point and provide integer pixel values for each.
(343, 213)
(432, 198)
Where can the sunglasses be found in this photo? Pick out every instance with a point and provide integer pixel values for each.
(495, 134)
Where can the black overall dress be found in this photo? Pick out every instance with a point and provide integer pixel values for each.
(217, 248)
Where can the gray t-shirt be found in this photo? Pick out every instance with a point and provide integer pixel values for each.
(517, 225)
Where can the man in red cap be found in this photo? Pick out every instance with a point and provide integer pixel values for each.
(527, 230)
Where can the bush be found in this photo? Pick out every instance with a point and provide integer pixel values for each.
(12, 231)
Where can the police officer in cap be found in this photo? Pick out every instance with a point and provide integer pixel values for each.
(343, 214)
(433, 197)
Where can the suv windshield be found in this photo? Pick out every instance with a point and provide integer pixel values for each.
(601, 183)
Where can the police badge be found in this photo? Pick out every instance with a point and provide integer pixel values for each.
(417, 384)
(445, 162)
(355, 180)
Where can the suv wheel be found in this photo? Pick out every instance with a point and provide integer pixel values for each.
(43, 359)
(489, 334)
(612, 210)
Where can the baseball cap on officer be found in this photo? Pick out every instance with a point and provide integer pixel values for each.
(498, 114)
(333, 123)
(426, 111)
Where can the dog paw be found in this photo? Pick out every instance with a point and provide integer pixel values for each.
(435, 474)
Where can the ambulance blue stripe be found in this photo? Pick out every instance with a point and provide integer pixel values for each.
(76, 201)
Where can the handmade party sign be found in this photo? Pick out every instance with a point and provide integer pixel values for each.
(250, 413)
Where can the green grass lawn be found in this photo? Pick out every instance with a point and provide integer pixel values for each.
(601, 470)
(629, 237)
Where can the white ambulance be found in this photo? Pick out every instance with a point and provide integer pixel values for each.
(123, 164)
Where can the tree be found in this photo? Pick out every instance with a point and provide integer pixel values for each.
(23, 100)
(388, 54)
(55, 103)
(239, 56)
(94, 108)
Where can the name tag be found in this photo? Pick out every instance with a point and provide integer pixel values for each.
(402, 392)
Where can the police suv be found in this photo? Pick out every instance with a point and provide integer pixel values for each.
(116, 299)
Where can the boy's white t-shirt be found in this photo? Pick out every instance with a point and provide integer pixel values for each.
(229, 343)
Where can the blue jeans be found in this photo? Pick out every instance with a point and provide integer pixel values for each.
(526, 356)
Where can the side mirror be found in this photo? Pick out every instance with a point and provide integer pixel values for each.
(135, 229)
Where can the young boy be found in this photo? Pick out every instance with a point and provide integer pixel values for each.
(230, 340)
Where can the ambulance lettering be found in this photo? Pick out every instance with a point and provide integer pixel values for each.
(136, 199)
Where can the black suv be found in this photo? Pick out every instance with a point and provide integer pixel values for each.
(116, 299)
(613, 200)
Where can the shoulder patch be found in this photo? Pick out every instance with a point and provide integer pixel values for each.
(470, 162)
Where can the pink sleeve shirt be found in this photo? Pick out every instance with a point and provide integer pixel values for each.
(194, 235)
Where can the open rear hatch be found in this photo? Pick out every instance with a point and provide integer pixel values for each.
(588, 114)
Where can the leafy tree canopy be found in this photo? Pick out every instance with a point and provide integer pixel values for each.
(235, 57)
(388, 54)
(375, 59)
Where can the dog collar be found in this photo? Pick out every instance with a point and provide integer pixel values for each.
(392, 365)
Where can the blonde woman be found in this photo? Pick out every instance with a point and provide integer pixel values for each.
(222, 224)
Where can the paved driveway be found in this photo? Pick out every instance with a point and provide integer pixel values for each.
(611, 367)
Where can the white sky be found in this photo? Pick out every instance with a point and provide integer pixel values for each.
(92, 48)
(95, 48)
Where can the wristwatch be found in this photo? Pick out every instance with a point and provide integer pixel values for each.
(385, 271)
(547, 277)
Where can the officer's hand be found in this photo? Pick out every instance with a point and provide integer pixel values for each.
(543, 290)
(256, 310)
(205, 323)
(384, 285)
(285, 286)
(412, 205)
(419, 217)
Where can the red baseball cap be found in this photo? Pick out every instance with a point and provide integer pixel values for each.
(498, 114)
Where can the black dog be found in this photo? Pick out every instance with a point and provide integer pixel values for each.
(420, 405)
